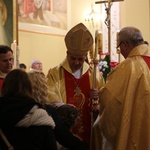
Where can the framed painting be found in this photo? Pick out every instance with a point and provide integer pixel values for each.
(8, 22)
(44, 16)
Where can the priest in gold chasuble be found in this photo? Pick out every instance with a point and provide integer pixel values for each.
(124, 118)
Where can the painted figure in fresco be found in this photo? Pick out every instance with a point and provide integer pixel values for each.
(27, 7)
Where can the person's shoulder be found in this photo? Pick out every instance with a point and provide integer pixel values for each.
(54, 69)
(129, 62)
(55, 72)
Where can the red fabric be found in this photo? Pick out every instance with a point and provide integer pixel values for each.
(83, 126)
(147, 60)
(1, 82)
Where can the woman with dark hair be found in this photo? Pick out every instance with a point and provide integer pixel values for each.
(25, 124)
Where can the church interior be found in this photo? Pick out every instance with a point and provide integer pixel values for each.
(44, 39)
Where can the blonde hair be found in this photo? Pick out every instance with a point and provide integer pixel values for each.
(39, 86)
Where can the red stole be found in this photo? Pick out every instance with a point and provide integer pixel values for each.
(147, 60)
(83, 126)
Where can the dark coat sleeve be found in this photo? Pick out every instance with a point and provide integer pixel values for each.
(31, 138)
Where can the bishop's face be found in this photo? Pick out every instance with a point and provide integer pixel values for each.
(76, 61)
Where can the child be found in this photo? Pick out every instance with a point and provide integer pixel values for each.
(69, 115)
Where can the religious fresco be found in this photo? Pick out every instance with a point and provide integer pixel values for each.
(48, 13)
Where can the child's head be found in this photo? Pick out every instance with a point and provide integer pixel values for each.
(69, 114)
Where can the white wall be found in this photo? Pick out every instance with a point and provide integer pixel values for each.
(136, 13)
(50, 49)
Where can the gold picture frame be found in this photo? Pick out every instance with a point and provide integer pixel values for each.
(8, 22)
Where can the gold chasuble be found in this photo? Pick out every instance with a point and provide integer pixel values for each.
(74, 95)
(125, 103)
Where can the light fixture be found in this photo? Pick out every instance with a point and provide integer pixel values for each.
(91, 17)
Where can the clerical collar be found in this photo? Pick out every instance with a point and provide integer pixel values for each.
(77, 74)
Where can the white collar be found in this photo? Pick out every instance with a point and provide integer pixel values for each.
(77, 74)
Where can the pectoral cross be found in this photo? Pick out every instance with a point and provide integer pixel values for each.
(77, 90)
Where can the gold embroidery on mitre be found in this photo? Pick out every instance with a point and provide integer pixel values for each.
(79, 40)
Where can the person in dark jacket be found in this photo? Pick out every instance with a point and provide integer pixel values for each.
(62, 133)
(24, 122)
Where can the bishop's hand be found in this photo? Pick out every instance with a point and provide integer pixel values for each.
(94, 98)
